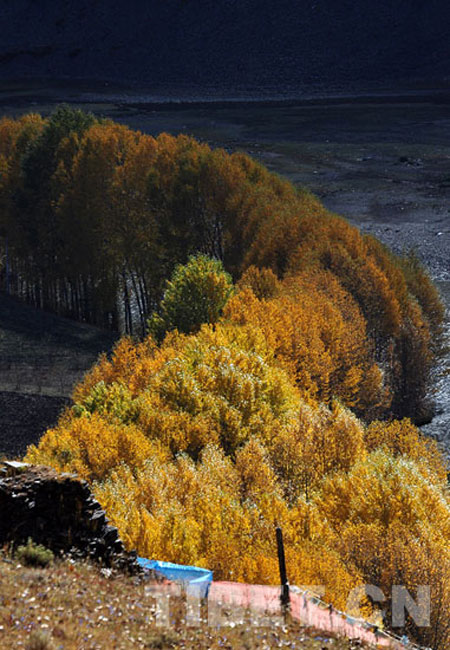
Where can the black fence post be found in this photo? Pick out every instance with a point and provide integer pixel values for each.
(284, 597)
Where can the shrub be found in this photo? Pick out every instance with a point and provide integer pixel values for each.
(39, 640)
(34, 555)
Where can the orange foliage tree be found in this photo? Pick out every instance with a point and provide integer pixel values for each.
(319, 335)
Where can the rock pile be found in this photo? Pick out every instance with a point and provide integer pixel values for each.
(58, 511)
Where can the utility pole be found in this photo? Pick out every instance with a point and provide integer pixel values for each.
(284, 596)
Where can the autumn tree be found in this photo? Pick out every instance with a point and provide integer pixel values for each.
(36, 198)
(196, 293)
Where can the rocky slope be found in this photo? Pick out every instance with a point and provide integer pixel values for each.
(59, 512)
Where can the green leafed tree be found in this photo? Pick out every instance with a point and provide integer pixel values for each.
(196, 293)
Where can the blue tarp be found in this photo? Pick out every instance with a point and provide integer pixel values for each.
(195, 580)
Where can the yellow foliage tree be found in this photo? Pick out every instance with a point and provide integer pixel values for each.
(319, 335)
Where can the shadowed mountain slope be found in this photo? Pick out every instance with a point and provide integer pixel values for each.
(261, 45)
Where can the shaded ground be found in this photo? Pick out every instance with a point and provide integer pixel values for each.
(382, 161)
(24, 418)
(42, 357)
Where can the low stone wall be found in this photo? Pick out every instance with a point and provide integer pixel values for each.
(58, 511)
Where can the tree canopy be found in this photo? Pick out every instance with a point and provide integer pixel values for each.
(196, 293)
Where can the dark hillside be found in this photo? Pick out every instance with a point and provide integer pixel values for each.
(42, 356)
(272, 45)
(24, 418)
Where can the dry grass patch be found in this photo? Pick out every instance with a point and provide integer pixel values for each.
(77, 606)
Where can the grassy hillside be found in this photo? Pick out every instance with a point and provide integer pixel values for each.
(42, 357)
(104, 610)
(257, 44)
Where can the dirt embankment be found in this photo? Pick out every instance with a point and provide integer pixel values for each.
(256, 46)
(24, 418)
